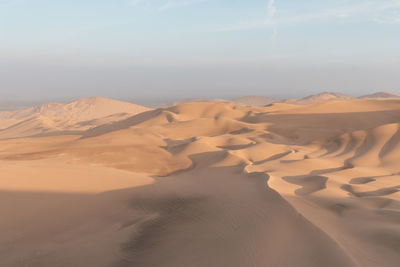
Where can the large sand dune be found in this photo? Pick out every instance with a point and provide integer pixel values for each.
(204, 184)
(76, 116)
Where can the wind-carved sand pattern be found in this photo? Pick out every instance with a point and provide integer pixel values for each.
(201, 184)
(309, 183)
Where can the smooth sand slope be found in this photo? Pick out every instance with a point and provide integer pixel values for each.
(73, 117)
(208, 184)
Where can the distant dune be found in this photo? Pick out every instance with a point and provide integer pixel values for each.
(79, 110)
(263, 100)
(381, 95)
(254, 100)
(100, 182)
(199, 99)
(318, 98)
(78, 115)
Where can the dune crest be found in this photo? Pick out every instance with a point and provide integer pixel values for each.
(233, 185)
(319, 98)
(76, 116)
(381, 95)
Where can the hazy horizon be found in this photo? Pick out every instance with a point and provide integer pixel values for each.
(127, 139)
(155, 50)
(8, 104)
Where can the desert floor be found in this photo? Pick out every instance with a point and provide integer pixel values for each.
(201, 184)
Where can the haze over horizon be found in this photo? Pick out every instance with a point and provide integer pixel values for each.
(192, 133)
(169, 49)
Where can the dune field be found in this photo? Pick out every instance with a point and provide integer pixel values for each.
(99, 182)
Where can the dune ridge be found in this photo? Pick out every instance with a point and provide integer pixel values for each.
(76, 116)
(232, 185)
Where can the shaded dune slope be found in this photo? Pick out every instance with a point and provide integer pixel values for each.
(242, 186)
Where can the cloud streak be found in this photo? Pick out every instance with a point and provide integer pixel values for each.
(166, 4)
(179, 3)
(378, 11)
(271, 11)
(268, 22)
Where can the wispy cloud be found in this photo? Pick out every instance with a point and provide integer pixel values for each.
(269, 22)
(378, 11)
(135, 2)
(271, 11)
(166, 4)
(179, 3)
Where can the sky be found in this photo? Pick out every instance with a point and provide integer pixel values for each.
(168, 49)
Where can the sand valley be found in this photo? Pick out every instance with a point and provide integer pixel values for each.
(99, 182)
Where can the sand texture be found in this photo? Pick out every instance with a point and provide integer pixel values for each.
(98, 182)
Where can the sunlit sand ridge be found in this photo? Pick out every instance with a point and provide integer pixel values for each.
(202, 184)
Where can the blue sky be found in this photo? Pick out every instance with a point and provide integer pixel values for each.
(190, 48)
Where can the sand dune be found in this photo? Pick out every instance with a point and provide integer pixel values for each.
(381, 95)
(76, 116)
(254, 101)
(206, 184)
(319, 98)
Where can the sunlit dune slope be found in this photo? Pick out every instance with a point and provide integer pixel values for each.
(334, 164)
(75, 116)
